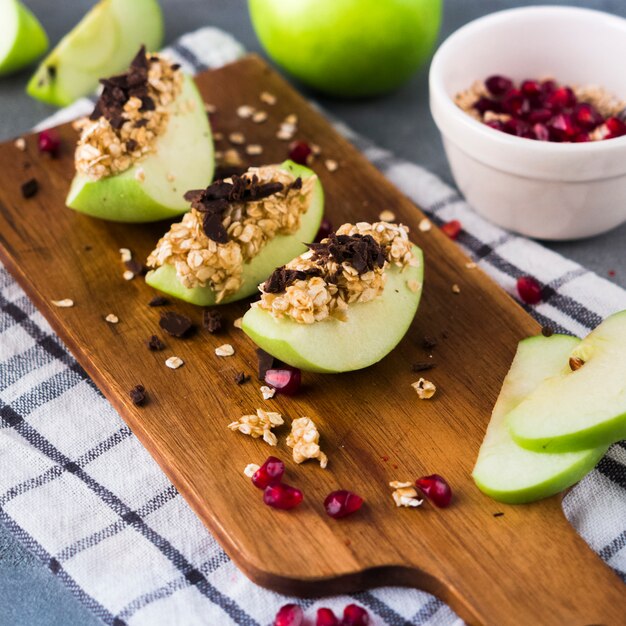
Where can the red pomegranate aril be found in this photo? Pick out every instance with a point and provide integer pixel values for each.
(539, 116)
(269, 473)
(452, 228)
(49, 141)
(300, 152)
(529, 289)
(482, 105)
(436, 489)
(548, 87)
(541, 132)
(615, 126)
(531, 88)
(342, 503)
(514, 102)
(325, 229)
(355, 615)
(326, 617)
(562, 127)
(286, 380)
(586, 116)
(282, 496)
(496, 124)
(581, 138)
(498, 85)
(516, 127)
(560, 99)
(289, 615)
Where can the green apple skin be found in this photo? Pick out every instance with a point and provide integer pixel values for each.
(505, 471)
(103, 43)
(348, 48)
(22, 37)
(185, 150)
(373, 329)
(278, 251)
(579, 409)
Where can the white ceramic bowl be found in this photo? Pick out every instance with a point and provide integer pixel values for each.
(540, 189)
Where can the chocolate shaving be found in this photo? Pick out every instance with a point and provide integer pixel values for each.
(137, 268)
(282, 277)
(138, 395)
(216, 198)
(158, 301)
(175, 324)
(212, 320)
(428, 343)
(155, 344)
(499, 514)
(30, 188)
(242, 378)
(422, 366)
(131, 145)
(546, 331)
(362, 252)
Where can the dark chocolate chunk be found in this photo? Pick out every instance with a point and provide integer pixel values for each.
(499, 514)
(423, 366)
(362, 252)
(155, 344)
(158, 301)
(212, 320)
(175, 324)
(137, 268)
(138, 395)
(282, 277)
(175, 66)
(428, 343)
(546, 331)
(131, 145)
(242, 378)
(266, 362)
(30, 188)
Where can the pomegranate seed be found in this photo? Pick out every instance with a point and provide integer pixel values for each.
(49, 141)
(531, 89)
(325, 229)
(514, 102)
(516, 127)
(498, 85)
(326, 617)
(615, 126)
(452, 228)
(548, 87)
(482, 105)
(581, 138)
(497, 124)
(286, 380)
(269, 473)
(561, 98)
(282, 496)
(529, 289)
(289, 615)
(586, 116)
(541, 132)
(355, 615)
(436, 489)
(539, 116)
(299, 152)
(562, 127)
(342, 503)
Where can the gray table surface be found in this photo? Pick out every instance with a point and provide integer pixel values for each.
(29, 594)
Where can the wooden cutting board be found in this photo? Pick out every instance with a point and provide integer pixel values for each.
(524, 567)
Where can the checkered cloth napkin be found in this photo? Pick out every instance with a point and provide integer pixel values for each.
(79, 490)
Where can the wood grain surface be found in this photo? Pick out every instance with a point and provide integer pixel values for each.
(524, 567)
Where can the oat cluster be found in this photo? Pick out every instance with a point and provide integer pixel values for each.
(304, 439)
(337, 285)
(259, 425)
(106, 148)
(200, 261)
(404, 494)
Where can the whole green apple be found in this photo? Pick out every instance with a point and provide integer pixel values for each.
(350, 48)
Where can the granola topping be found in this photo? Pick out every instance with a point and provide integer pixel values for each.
(304, 439)
(259, 425)
(229, 223)
(133, 109)
(344, 268)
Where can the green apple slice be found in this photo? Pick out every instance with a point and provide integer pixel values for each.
(278, 251)
(504, 470)
(22, 38)
(182, 160)
(372, 330)
(103, 43)
(579, 409)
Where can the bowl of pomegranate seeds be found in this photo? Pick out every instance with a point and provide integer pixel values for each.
(532, 112)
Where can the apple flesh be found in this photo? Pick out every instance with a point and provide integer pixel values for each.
(349, 48)
(103, 43)
(278, 251)
(505, 471)
(182, 160)
(372, 330)
(579, 409)
(22, 38)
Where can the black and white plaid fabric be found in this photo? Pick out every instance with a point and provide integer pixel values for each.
(80, 492)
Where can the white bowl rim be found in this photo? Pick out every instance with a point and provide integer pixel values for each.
(438, 92)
